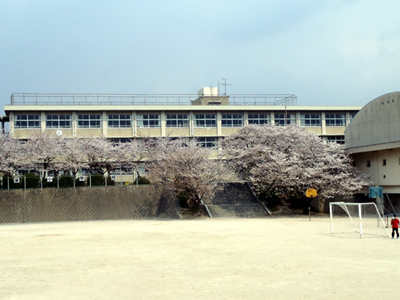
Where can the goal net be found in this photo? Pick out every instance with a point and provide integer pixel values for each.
(363, 218)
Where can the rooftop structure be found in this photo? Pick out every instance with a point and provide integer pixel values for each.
(205, 94)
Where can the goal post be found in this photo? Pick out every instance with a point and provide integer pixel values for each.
(364, 217)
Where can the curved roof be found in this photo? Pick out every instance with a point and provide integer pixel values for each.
(376, 126)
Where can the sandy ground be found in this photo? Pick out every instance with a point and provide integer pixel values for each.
(273, 258)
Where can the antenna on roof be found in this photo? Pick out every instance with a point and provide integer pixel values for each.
(225, 84)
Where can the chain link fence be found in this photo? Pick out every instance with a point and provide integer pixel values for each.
(87, 203)
(34, 181)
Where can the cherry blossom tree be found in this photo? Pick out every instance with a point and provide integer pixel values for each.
(287, 160)
(183, 166)
(73, 157)
(99, 153)
(127, 155)
(11, 154)
(42, 151)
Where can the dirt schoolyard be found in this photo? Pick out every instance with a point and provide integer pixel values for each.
(270, 258)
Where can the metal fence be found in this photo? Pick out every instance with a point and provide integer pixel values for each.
(85, 203)
(34, 181)
(143, 99)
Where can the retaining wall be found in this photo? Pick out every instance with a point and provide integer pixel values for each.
(85, 203)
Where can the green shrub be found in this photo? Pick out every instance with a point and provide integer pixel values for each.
(8, 183)
(79, 183)
(110, 182)
(32, 181)
(96, 180)
(63, 182)
(66, 181)
(49, 184)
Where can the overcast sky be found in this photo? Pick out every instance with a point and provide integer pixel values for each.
(325, 52)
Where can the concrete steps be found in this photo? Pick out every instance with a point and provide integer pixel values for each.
(235, 200)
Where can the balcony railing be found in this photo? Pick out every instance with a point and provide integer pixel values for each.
(143, 99)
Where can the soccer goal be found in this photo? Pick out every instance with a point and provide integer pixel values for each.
(363, 218)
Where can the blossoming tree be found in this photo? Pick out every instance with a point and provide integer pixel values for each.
(287, 160)
(183, 166)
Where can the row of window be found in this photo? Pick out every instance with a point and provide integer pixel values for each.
(176, 120)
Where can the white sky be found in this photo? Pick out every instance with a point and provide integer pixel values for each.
(325, 52)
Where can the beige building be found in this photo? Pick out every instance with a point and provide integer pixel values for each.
(206, 116)
(373, 140)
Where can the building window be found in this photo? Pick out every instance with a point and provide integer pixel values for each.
(141, 169)
(208, 142)
(285, 119)
(335, 119)
(384, 162)
(258, 119)
(119, 141)
(352, 115)
(148, 121)
(336, 139)
(122, 170)
(177, 120)
(89, 121)
(119, 121)
(27, 121)
(310, 119)
(368, 164)
(58, 121)
(232, 120)
(206, 120)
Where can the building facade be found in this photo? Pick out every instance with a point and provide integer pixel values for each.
(373, 141)
(207, 116)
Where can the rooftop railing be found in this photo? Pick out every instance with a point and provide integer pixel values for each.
(143, 99)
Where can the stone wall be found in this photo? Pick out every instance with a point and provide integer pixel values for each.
(85, 203)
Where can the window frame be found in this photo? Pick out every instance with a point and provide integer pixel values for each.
(340, 139)
(209, 142)
(310, 119)
(149, 119)
(174, 120)
(117, 120)
(230, 120)
(95, 121)
(335, 119)
(282, 117)
(58, 120)
(120, 141)
(205, 118)
(251, 119)
(33, 121)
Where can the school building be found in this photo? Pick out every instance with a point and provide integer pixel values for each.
(207, 116)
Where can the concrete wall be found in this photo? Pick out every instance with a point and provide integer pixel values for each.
(387, 176)
(79, 204)
(376, 123)
(373, 140)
